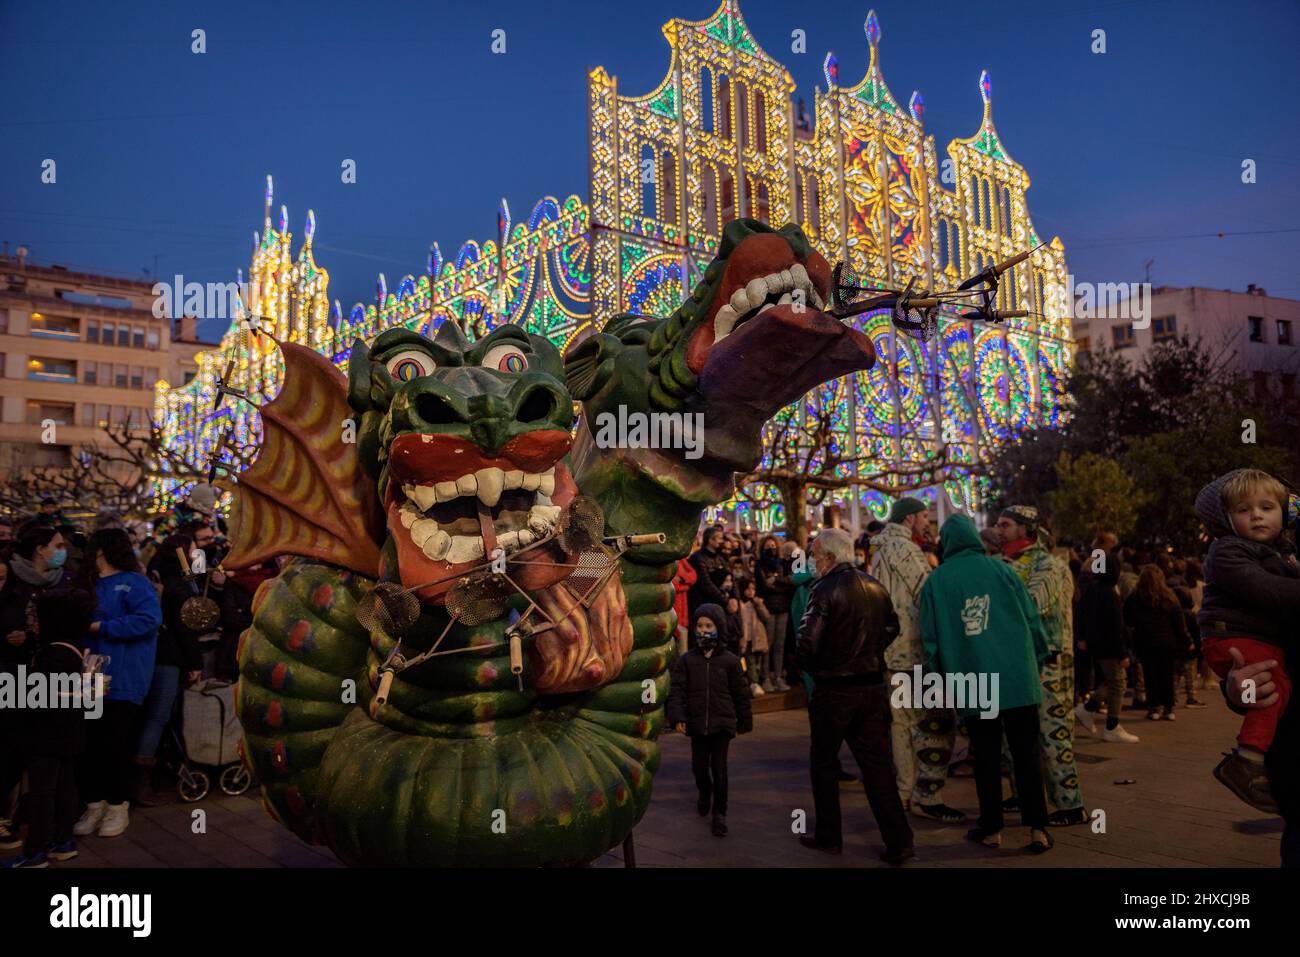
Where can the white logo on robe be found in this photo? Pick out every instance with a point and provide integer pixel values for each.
(975, 615)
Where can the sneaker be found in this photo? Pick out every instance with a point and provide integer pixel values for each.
(115, 820)
(987, 838)
(1083, 720)
(1119, 735)
(1195, 703)
(1153, 715)
(33, 861)
(1040, 842)
(939, 812)
(90, 819)
(781, 685)
(65, 851)
(768, 687)
(756, 689)
(898, 858)
(9, 838)
(1068, 818)
(1168, 715)
(719, 826)
(1247, 780)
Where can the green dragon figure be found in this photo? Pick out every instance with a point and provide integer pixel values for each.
(461, 449)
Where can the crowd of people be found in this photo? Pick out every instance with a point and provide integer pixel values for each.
(108, 597)
(1075, 634)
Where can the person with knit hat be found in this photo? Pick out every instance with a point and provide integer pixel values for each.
(922, 738)
(1051, 587)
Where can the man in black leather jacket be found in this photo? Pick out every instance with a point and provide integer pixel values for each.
(849, 623)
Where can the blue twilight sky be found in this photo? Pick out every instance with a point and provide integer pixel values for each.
(162, 154)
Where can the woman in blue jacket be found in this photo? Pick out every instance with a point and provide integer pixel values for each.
(125, 628)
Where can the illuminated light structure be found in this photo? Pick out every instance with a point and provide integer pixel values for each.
(720, 138)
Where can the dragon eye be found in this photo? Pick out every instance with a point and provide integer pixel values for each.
(410, 364)
(505, 358)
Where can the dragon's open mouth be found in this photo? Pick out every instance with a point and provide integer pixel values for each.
(450, 505)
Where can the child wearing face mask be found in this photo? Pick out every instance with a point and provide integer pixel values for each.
(1252, 595)
(709, 701)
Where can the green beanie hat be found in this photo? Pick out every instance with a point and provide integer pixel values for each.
(905, 507)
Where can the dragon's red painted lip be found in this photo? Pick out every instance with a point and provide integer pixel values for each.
(757, 256)
(424, 458)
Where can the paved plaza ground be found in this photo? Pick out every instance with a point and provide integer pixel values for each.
(1174, 814)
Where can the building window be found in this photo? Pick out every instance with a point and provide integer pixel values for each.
(102, 413)
(706, 100)
(92, 330)
(90, 373)
(137, 337)
(1261, 385)
(120, 375)
(1165, 327)
(647, 180)
(1084, 343)
(88, 414)
(106, 373)
(4, 320)
(724, 105)
(61, 413)
(150, 378)
(1256, 325)
(109, 332)
(49, 456)
(51, 370)
(1284, 332)
(152, 339)
(1123, 335)
(137, 377)
(54, 327)
(123, 335)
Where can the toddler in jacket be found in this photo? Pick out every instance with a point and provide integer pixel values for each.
(755, 620)
(1252, 594)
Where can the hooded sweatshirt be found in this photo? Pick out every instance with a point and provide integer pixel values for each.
(977, 618)
(1252, 589)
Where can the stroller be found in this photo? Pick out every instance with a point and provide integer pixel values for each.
(207, 743)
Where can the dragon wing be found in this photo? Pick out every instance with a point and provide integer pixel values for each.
(306, 493)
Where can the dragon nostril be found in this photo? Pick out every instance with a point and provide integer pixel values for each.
(539, 404)
(434, 410)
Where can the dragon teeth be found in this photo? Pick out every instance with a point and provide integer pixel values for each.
(547, 485)
(464, 548)
(490, 483)
(756, 292)
(467, 485)
(514, 478)
(447, 491)
(531, 482)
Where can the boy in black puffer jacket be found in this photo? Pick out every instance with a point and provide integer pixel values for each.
(1252, 595)
(709, 700)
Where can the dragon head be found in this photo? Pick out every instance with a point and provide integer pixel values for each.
(465, 443)
(752, 338)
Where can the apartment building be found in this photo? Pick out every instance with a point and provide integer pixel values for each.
(78, 350)
(1259, 334)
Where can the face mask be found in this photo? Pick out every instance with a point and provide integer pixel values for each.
(58, 558)
(706, 642)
